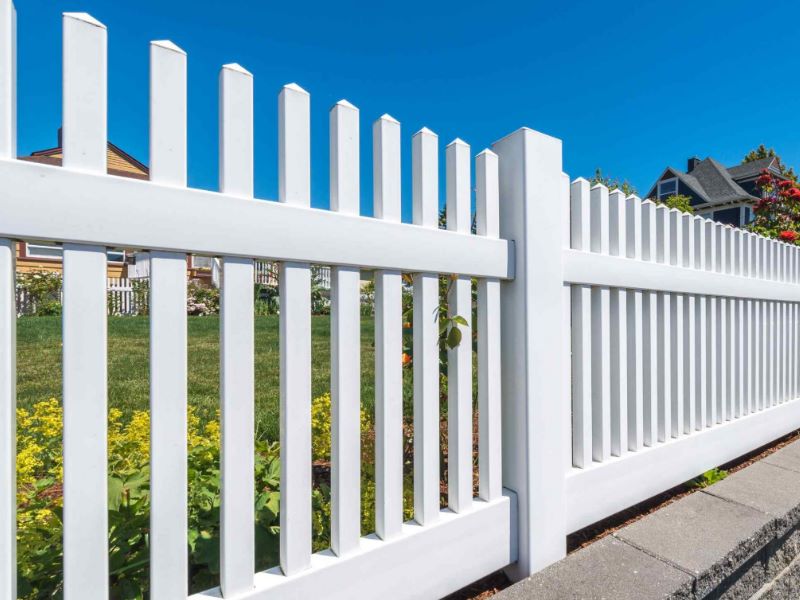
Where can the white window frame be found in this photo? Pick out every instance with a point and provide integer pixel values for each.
(659, 194)
(194, 265)
(116, 262)
(30, 252)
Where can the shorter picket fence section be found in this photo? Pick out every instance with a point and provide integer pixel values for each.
(124, 298)
(684, 347)
(622, 347)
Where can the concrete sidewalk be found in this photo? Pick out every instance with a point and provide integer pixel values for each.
(739, 538)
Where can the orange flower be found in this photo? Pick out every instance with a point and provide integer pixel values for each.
(406, 359)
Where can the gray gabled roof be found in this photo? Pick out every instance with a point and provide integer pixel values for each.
(718, 184)
(753, 169)
(713, 184)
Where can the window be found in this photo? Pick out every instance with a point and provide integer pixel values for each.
(43, 250)
(667, 187)
(201, 262)
(116, 256)
(55, 251)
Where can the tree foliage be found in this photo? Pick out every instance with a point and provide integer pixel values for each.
(679, 201)
(612, 183)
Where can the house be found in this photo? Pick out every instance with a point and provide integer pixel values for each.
(720, 193)
(35, 255)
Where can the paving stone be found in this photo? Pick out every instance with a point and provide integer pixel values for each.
(765, 487)
(704, 535)
(607, 570)
(787, 457)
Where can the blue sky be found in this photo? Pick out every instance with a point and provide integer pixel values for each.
(628, 86)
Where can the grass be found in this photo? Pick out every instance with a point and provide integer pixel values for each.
(39, 365)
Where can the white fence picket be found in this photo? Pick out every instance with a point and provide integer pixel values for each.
(388, 340)
(635, 315)
(677, 332)
(345, 342)
(459, 359)
(237, 345)
(740, 241)
(664, 329)
(489, 357)
(8, 312)
(84, 323)
(730, 331)
(168, 337)
(425, 178)
(601, 326)
(689, 331)
(701, 340)
(618, 330)
(294, 188)
(581, 331)
(8, 425)
(650, 330)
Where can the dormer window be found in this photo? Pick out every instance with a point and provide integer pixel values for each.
(667, 188)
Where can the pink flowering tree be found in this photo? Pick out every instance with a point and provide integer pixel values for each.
(777, 213)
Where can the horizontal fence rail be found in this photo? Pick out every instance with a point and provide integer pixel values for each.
(244, 228)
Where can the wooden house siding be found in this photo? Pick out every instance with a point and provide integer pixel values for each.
(29, 264)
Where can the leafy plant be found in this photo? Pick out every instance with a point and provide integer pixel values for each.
(267, 299)
(612, 183)
(679, 201)
(368, 299)
(320, 302)
(40, 476)
(141, 295)
(777, 213)
(708, 478)
(39, 500)
(42, 292)
(201, 300)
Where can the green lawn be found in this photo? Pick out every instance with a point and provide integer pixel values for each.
(39, 364)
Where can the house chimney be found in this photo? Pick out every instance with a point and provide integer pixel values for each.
(692, 163)
(60, 139)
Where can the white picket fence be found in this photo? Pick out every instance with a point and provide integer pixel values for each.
(684, 347)
(635, 346)
(123, 299)
(266, 273)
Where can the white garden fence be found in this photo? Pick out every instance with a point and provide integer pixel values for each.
(124, 299)
(635, 346)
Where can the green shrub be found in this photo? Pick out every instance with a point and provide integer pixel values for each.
(201, 300)
(42, 290)
(39, 499)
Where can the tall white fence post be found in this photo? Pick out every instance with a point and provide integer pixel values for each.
(535, 420)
